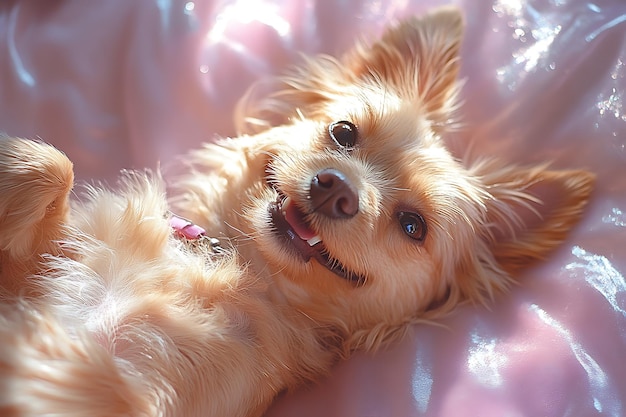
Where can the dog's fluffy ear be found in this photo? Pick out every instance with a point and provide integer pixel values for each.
(419, 59)
(530, 210)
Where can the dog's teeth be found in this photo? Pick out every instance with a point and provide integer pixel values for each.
(285, 204)
(314, 240)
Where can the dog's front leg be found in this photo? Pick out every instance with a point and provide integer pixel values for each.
(35, 182)
(218, 176)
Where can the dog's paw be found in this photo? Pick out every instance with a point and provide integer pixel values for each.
(35, 182)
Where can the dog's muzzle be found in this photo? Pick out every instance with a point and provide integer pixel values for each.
(331, 195)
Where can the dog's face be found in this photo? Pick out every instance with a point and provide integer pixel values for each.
(365, 217)
(369, 209)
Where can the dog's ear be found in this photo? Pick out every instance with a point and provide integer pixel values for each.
(530, 210)
(419, 58)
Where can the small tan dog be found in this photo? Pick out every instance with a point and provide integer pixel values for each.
(340, 225)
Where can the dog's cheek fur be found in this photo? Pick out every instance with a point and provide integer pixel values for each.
(222, 178)
(217, 173)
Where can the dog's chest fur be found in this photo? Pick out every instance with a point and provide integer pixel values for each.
(207, 321)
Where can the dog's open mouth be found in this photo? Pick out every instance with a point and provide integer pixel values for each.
(289, 222)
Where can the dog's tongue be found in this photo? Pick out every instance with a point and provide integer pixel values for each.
(295, 218)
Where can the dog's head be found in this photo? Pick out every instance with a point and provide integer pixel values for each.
(367, 219)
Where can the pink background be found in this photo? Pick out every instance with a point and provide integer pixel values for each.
(122, 84)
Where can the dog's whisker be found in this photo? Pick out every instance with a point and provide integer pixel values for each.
(242, 234)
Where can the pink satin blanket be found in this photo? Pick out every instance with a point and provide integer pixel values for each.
(125, 84)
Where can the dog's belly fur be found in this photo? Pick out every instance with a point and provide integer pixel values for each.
(134, 322)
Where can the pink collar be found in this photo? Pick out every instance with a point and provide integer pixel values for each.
(193, 235)
(186, 229)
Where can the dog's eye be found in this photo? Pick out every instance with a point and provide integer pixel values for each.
(413, 225)
(343, 133)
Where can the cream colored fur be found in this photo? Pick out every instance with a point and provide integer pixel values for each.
(105, 312)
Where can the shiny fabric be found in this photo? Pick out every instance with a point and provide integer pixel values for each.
(122, 84)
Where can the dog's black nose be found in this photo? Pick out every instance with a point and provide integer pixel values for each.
(333, 195)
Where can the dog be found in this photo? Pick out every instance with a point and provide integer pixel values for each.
(342, 221)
